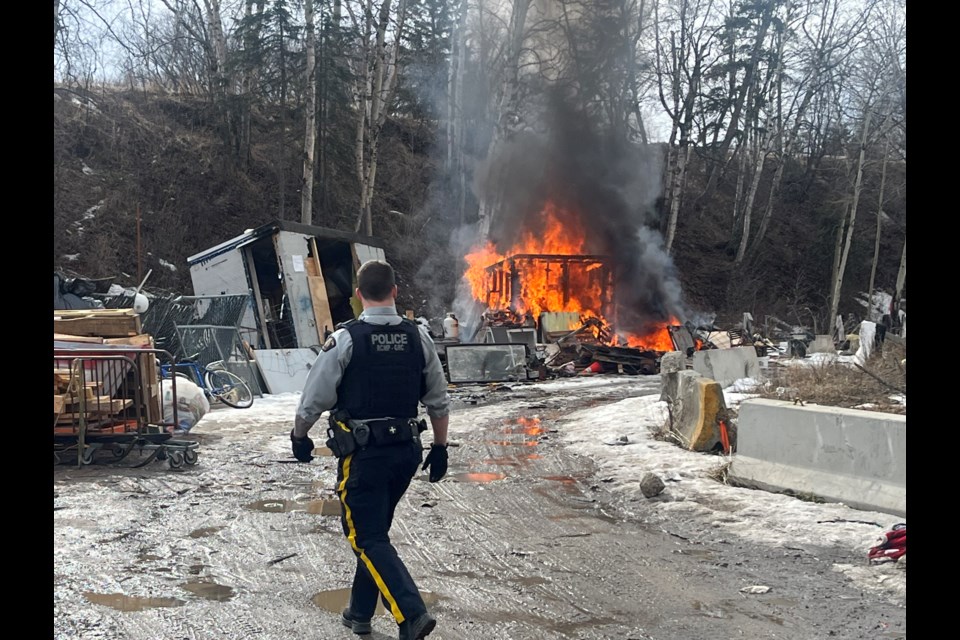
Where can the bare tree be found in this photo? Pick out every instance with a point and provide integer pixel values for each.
(681, 61)
(764, 14)
(828, 38)
(878, 67)
(310, 117)
(375, 72)
(506, 71)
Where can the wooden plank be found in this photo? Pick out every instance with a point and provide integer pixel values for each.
(64, 337)
(250, 263)
(103, 409)
(103, 327)
(59, 400)
(321, 306)
(143, 340)
(89, 313)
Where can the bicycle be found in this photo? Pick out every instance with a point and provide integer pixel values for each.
(217, 383)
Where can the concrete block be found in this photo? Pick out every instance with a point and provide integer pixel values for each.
(727, 365)
(822, 344)
(851, 456)
(696, 407)
(673, 362)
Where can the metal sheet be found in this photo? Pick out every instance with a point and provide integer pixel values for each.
(289, 245)
(364, 253)
(285, 370)
(226, 274)
(486, 362)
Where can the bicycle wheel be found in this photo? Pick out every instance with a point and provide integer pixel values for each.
(229, 388)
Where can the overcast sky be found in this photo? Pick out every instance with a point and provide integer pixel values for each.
(764, 517)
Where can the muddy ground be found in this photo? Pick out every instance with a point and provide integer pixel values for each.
(522, 541)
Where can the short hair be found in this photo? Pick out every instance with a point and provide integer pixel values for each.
(375, 279)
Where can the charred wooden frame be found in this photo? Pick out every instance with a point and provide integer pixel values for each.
(505, 279)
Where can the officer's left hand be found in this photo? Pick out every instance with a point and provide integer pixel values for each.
(302, 447)
(437, 461)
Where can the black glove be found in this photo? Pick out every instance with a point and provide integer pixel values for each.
(437, 461)
(302, 447)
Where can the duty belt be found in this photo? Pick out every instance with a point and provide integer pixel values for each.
(346, 436)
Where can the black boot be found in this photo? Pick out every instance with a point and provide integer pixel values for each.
(359, 627)
(418, 628)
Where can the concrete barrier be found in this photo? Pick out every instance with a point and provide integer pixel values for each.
(855, 457)
(727, 365)
(822, 344)
(696, 408)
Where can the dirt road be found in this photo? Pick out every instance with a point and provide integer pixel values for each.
(522, 541)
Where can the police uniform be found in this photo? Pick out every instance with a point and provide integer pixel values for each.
(377, 368)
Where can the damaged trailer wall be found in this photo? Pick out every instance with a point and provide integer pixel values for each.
(225, 274)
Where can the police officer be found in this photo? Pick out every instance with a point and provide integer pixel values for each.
(371, 373)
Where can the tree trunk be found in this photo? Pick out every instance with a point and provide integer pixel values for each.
(381, 75)
(741, 154)
(507, 107)
(249, 80)
(752, 192)
(765, 19)
(902, 273)
(676, 189)
(876, 240)
(848, 239)
(310, 135)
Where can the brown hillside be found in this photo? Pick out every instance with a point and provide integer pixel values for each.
(120, 154)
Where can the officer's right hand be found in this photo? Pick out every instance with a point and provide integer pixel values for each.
(437, 461)
(302, 447)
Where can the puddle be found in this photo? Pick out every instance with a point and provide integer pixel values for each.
(78, 523)
(204, 438)
(477, 477)
(315, 486)
(530, 581)
(703, 553)
(121, 602)
(336, 600)
(209, 590)
(563, 479)
(274, 506)
(514, 443)
(328, 507)
(196, 569)
(205, 531)
(148, 557)
(514, 460)
(710, 611)
(463, 574)
(526, 426)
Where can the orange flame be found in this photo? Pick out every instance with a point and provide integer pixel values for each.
(526, 280)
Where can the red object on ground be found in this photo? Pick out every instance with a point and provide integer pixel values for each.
(724, 437)
(892, 545)
(594, 367)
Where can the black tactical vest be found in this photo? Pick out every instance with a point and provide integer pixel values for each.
(385, 375)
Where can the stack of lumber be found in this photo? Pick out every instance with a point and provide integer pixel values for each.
(115, 327)
(73, 399)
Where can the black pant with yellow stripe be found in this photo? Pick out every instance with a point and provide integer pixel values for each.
(371, 483)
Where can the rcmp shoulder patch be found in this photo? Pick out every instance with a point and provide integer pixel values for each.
(329, 344)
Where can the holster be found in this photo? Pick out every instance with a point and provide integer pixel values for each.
(341, 441)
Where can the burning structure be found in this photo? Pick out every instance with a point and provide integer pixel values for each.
(551, 281)
(569, 243)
